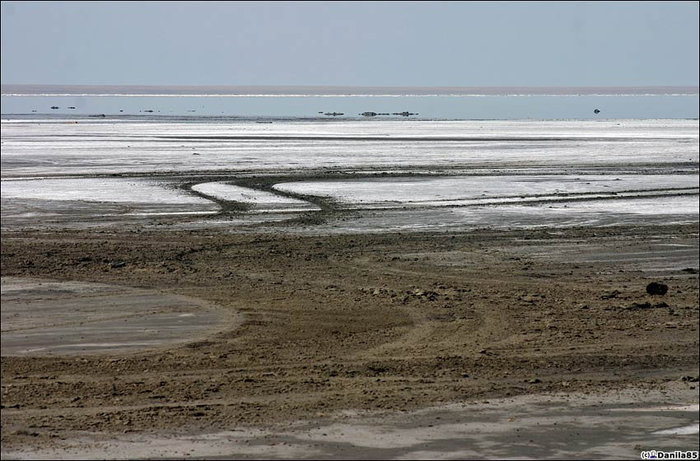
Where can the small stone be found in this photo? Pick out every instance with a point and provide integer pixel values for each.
(612, 294)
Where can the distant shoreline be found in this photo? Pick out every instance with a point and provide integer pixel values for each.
(229, 90)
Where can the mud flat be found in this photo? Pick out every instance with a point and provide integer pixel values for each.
(353, 317)
(45, 317)
(372, 322)
(617, 425)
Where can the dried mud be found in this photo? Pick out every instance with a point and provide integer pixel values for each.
(356, 322)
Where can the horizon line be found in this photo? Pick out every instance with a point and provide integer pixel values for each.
(339, 90)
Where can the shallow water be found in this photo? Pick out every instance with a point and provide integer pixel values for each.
(495, 103)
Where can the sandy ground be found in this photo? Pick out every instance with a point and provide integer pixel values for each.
(334, 326)
(617, 425)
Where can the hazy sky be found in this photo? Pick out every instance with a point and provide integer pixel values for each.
(354, 43)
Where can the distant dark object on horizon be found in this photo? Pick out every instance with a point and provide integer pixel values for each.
(374, 114)
(148, 110)
(597, 111)
(334, 114)
(54, 107)
(71, 107)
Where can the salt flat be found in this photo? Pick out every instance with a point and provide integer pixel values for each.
(259, 200)
(484, 173)
(493, 189)
(41, 148)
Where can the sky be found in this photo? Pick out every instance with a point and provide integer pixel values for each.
(351, 43)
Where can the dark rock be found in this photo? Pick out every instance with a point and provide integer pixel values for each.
(369, 114)
(635, 306)
(612, 294)
(597, 111)
(646, 305)
(54, 107)
(429, 295)
(657, 288)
